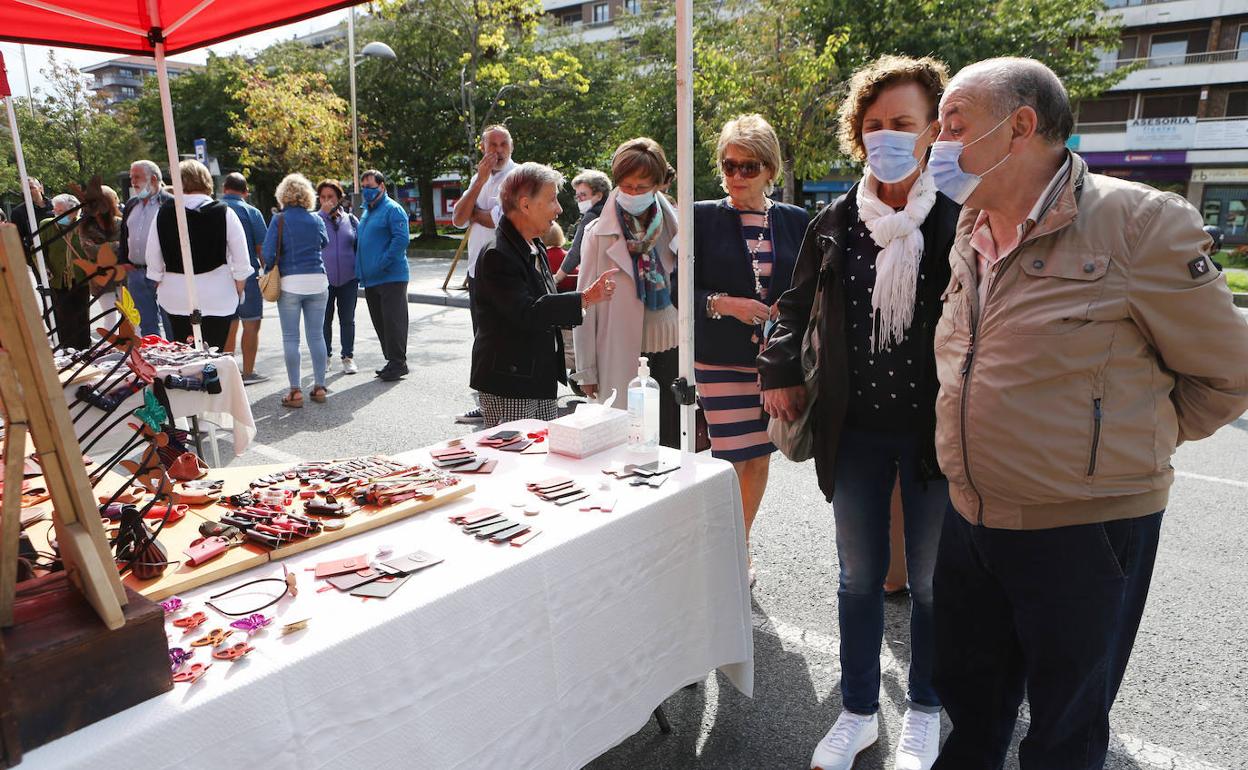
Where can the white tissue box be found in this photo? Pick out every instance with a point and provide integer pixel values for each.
(589, 430)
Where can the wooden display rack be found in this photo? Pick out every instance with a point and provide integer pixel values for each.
(77, 646)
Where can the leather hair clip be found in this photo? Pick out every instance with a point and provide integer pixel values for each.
(214, 638)
(192, 673)
(233, 653)
(191, 622)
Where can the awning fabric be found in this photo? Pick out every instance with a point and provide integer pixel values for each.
(125, 26)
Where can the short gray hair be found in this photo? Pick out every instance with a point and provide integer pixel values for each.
(151, 168)
(596, 181)
(526, 181)
(1013, 82)
(66, 200)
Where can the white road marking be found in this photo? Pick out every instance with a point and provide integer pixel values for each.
(1142, 753)
(275, 454)
(1214, 479)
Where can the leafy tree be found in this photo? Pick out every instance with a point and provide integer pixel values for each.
(291, 122)
(206, 106)
(72, 137)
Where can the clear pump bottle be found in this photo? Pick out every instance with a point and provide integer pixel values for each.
(643, 410)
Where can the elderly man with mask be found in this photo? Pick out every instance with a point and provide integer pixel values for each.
(1084, 335)
(136, 223)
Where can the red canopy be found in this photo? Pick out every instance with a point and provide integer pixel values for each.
(125, 26)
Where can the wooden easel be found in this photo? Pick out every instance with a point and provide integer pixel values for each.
(33, 402)
(463, 243)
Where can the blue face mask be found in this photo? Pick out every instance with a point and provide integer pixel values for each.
(370, 193)
(634, 204)
(144, 193)
(64, 220)
(890, 154)
(947, 170)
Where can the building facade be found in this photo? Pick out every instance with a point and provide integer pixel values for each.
(119, 80)
(1179, 120)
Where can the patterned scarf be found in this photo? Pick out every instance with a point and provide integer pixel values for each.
(653, 287)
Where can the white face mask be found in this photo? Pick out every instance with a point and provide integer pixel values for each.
(584, 206)
(634, 204)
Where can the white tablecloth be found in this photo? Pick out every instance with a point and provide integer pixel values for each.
(543, 656)
(230, 408)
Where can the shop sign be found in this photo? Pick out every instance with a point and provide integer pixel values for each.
(1161, 133)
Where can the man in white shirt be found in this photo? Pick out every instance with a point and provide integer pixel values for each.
(479, 211)
(218, 264)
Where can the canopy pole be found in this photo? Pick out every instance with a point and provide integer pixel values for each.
(171, 147)
(40, 265)
(684, 203)
(355, 121)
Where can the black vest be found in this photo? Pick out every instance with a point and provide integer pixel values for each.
(206, 228)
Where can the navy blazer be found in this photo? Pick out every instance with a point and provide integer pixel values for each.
(722, 264)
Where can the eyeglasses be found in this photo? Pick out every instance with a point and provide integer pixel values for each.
(749, 169)
(584, 196)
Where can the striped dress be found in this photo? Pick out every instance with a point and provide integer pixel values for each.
(731, 397)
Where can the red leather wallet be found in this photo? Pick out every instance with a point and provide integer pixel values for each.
(340, 566)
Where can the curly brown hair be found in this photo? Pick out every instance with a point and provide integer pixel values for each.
(866, 85)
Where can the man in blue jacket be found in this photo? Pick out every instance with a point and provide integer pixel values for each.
(251, 309)
(381, 266)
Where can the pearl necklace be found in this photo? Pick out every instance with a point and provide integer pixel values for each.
(753, 247)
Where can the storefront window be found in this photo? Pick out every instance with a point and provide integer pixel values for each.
(1212, 211)
(1236, 216)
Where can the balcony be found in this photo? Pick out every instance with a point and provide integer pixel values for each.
(118, 80)
(1140, 13)
(1177, 70)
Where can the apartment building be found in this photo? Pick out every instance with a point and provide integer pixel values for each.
(119, 80)
(1179, 119)
(594, 20)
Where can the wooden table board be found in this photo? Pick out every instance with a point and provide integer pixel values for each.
(177, 538)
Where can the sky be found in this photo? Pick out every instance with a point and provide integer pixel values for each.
(37, 55)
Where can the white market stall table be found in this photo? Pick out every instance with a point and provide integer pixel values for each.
(542, 656)
(229, 409)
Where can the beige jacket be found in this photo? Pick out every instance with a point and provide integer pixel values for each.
(608, 343)
(1106, 338)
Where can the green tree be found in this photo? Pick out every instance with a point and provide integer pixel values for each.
(291, 122)
(206, 106)
(72, 137)
(462, 64)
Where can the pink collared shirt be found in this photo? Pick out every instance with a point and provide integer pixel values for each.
(989, 251)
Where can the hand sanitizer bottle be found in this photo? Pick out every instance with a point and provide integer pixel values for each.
(643, 410)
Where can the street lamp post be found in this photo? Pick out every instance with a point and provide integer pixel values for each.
(376, 50)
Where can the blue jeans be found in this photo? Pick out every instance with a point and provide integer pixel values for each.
(345, 297)
(151, 316)
(312, 306)
(867, 467)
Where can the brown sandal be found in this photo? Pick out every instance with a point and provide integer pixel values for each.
(293, 399)
(318, 394)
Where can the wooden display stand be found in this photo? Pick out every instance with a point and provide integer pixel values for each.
(77, 646)
(177, 537)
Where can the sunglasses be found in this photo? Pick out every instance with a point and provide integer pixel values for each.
(749, 169)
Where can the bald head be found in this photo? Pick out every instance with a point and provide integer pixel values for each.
(1005, 84)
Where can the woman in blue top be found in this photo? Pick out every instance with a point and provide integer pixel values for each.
(305, 287)
(747, 246)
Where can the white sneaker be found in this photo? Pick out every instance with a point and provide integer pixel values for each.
(850, 735)
(348, 365)
(920, 741)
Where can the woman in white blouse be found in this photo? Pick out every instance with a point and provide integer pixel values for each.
(219, 259)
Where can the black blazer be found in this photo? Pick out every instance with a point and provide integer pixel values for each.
(822, 253)
(518, 349)
(123, 249)
(722, 264)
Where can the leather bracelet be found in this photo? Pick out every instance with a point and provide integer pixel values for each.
(710, 306)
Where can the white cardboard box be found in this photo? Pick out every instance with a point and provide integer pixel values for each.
(589, 430)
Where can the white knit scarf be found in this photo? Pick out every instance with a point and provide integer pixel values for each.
(900, 240)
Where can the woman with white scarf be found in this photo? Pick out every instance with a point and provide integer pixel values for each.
(883, 252)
